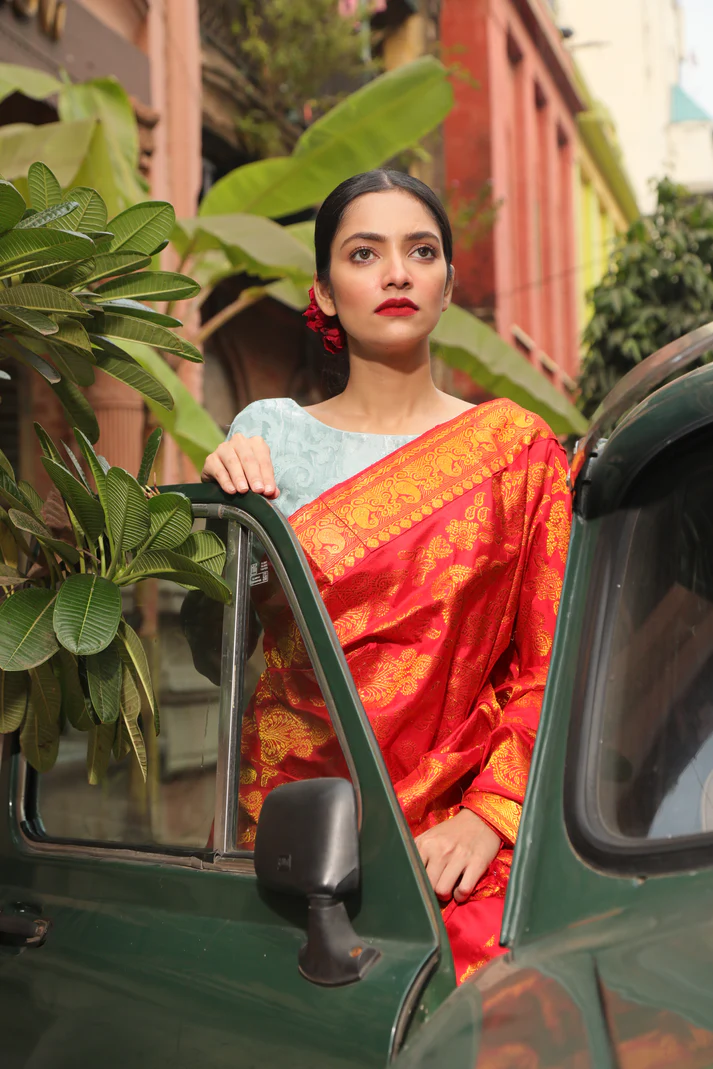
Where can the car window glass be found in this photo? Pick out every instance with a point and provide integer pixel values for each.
(287, 732)
(654, 745)
(175, 806)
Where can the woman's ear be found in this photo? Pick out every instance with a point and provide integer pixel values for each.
(450, 282)
(323, 297)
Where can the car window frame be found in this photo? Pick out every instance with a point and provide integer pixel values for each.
(27, 821)
(593, 841)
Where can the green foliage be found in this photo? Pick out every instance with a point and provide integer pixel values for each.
(58, 316)
(95, 143)
(658, 287)
(66, 653)
(371, 126)
(462, 341)
(286, 84)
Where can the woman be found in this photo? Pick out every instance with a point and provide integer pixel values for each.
(437, 532)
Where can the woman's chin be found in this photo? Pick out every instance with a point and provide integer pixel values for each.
(399, 337)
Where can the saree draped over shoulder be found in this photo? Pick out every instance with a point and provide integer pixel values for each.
(441, 567)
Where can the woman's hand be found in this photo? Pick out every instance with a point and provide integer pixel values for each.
(458, 849)
(242, 464)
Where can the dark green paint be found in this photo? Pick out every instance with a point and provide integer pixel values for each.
(680, 408)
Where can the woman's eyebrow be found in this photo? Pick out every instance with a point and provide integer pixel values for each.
(364, 236)
(420, 235)
(417, 235)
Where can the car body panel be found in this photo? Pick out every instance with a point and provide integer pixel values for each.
(151, 959)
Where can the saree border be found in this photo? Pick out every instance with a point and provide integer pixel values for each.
(339, 528)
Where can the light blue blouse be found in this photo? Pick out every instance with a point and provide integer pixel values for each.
(309, 457)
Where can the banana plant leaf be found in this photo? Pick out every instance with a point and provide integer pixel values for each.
(105, 101)
(372, 125)
(63, 146)
(254, 244)
(466, 343)
(26, 80)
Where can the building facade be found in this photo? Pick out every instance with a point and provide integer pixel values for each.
(630, 55)
(514, 126)
(152, 47)
(605, 200)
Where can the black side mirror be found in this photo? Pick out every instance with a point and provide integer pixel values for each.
(307, 844)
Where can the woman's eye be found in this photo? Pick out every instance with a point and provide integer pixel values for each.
(425, 252)
(362, 255)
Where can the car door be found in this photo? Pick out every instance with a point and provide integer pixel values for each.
(162, 948)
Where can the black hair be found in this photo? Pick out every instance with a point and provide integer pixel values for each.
(330, 215)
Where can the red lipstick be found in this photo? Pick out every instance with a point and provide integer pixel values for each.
(397, 306)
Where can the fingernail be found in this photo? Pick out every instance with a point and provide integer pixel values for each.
(258, 486)
(269, 489)
(243, 488)
(230, 489)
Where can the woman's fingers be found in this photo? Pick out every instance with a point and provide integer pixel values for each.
(242, 464)
(471, 874)
(449, 877)
(215, 469)
(233, 461)
(261, 452)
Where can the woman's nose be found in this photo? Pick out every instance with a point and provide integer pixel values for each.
(397, 273)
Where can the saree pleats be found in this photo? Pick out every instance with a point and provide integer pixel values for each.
(441, 568)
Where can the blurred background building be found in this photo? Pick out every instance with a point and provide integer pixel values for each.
(564, 112)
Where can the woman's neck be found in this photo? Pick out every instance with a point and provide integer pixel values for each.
(389, 395)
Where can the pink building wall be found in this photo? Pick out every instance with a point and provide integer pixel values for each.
(168, 33)
(516, 130)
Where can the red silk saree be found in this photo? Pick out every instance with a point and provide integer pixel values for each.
(441, 567)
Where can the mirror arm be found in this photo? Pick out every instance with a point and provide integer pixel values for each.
(333, 954)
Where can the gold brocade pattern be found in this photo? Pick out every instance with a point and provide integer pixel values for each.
(441, 569)
(417, 480)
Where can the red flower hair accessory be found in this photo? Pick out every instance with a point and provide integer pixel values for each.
(333, 336)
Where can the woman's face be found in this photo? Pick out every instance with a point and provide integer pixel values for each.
(388, 278)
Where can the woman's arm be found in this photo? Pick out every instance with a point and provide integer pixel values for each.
(461, 848)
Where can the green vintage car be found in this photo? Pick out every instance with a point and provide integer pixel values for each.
(134, 933)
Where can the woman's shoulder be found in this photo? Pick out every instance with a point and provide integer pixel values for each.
(264, 419)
